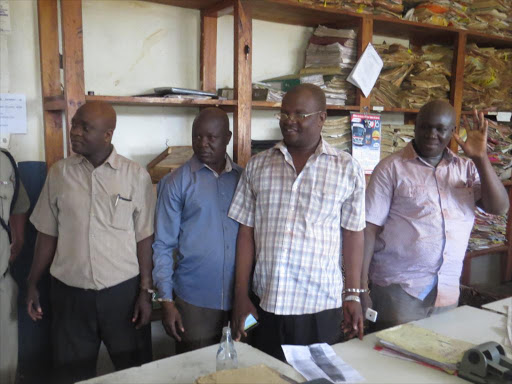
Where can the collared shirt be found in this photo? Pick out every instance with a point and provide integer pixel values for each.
(297, 224)
(22, 204)
(191, 218)
(99, 215)
(427, 214)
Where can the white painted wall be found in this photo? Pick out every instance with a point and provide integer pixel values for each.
(131, 47)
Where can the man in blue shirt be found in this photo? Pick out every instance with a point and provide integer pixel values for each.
(191, 219)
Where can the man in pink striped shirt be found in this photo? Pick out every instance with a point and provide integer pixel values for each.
(419, 214)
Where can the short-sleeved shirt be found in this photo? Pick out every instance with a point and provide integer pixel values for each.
(297, 224)
(22, 205)
(99, 215)
(427, 214)
(192, 218)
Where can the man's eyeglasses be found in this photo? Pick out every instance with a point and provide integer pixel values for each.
(294, 117)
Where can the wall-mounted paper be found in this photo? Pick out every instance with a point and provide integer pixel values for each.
(367, 70)
(13, 113)
(5, 17)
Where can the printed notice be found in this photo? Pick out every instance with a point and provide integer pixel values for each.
(367, 70)
(5, 17)
(13, 113)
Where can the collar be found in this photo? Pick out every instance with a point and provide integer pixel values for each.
(112, 159)
(323, 148)
(409, 153)
(196, 165)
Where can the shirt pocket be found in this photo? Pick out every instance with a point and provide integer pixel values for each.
(121, 213)
(462, 203)
(416, 201)
(320, 206)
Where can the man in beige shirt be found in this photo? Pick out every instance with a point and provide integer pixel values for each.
(95, 229)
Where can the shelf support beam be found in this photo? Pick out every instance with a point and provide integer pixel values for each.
(457, 81)
(243, 82)
(364, 37)
(73, 59)
(208, 54)
(47, 11)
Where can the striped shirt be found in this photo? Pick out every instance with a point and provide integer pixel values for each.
(297, 224)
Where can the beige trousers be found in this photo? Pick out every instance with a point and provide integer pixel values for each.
(8, 329)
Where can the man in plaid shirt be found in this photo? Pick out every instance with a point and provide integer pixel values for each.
(295, 203)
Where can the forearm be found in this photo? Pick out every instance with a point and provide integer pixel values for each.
(244, 259)
(145, 258)
(43, 257)
(370, 234)
(494, 196)
(17, 224)
(352, 257)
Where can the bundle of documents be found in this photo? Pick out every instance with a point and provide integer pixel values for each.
(488, 231)
(337, 132)
(358, 6)
(499, 146)
(330, 56)
(424, 345)
(440, 12)
(491, 16)
(430, 77)
(395, 137)
(390, 8)
(257, 374)
(487, 78)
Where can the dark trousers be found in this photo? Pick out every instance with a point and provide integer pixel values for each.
(276, 330)
(203, 326)
(82, 318)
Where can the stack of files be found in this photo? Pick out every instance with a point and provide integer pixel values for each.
(424, 346)
(337, 49)
(390, 8)
(440, 12)
(499, 146)
(387, 146)
(358, 6)
(403, 134)
(488, 231)
(487, 78)
(430, 77)
(491, 16)
(330, 57)
(337, 132)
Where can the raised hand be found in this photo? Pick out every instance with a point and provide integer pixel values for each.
(475, 146)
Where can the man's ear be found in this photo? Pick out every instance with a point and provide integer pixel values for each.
(229, 134)
(108, 135)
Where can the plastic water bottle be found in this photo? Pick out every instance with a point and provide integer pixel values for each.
(226, 355)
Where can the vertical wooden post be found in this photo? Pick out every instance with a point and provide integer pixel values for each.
(208, 56)
(47, 11)
(364, 36)
(243, 81)
(457, 81)
(73, 59)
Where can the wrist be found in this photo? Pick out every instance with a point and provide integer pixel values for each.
(480, 159)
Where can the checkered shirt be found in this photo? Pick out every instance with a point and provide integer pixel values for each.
(297, 222)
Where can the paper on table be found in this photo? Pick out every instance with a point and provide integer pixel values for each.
(320, 361)
(367, 70)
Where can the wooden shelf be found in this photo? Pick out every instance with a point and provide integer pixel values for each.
(193, 4)
(493, 249)
(162, 101)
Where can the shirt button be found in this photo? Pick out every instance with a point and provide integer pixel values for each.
(92, 236)
(293, 209)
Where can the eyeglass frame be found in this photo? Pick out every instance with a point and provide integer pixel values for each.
(304, 116)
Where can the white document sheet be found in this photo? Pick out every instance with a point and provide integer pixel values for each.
(13, 113)
(366, 71)
(318, 361)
